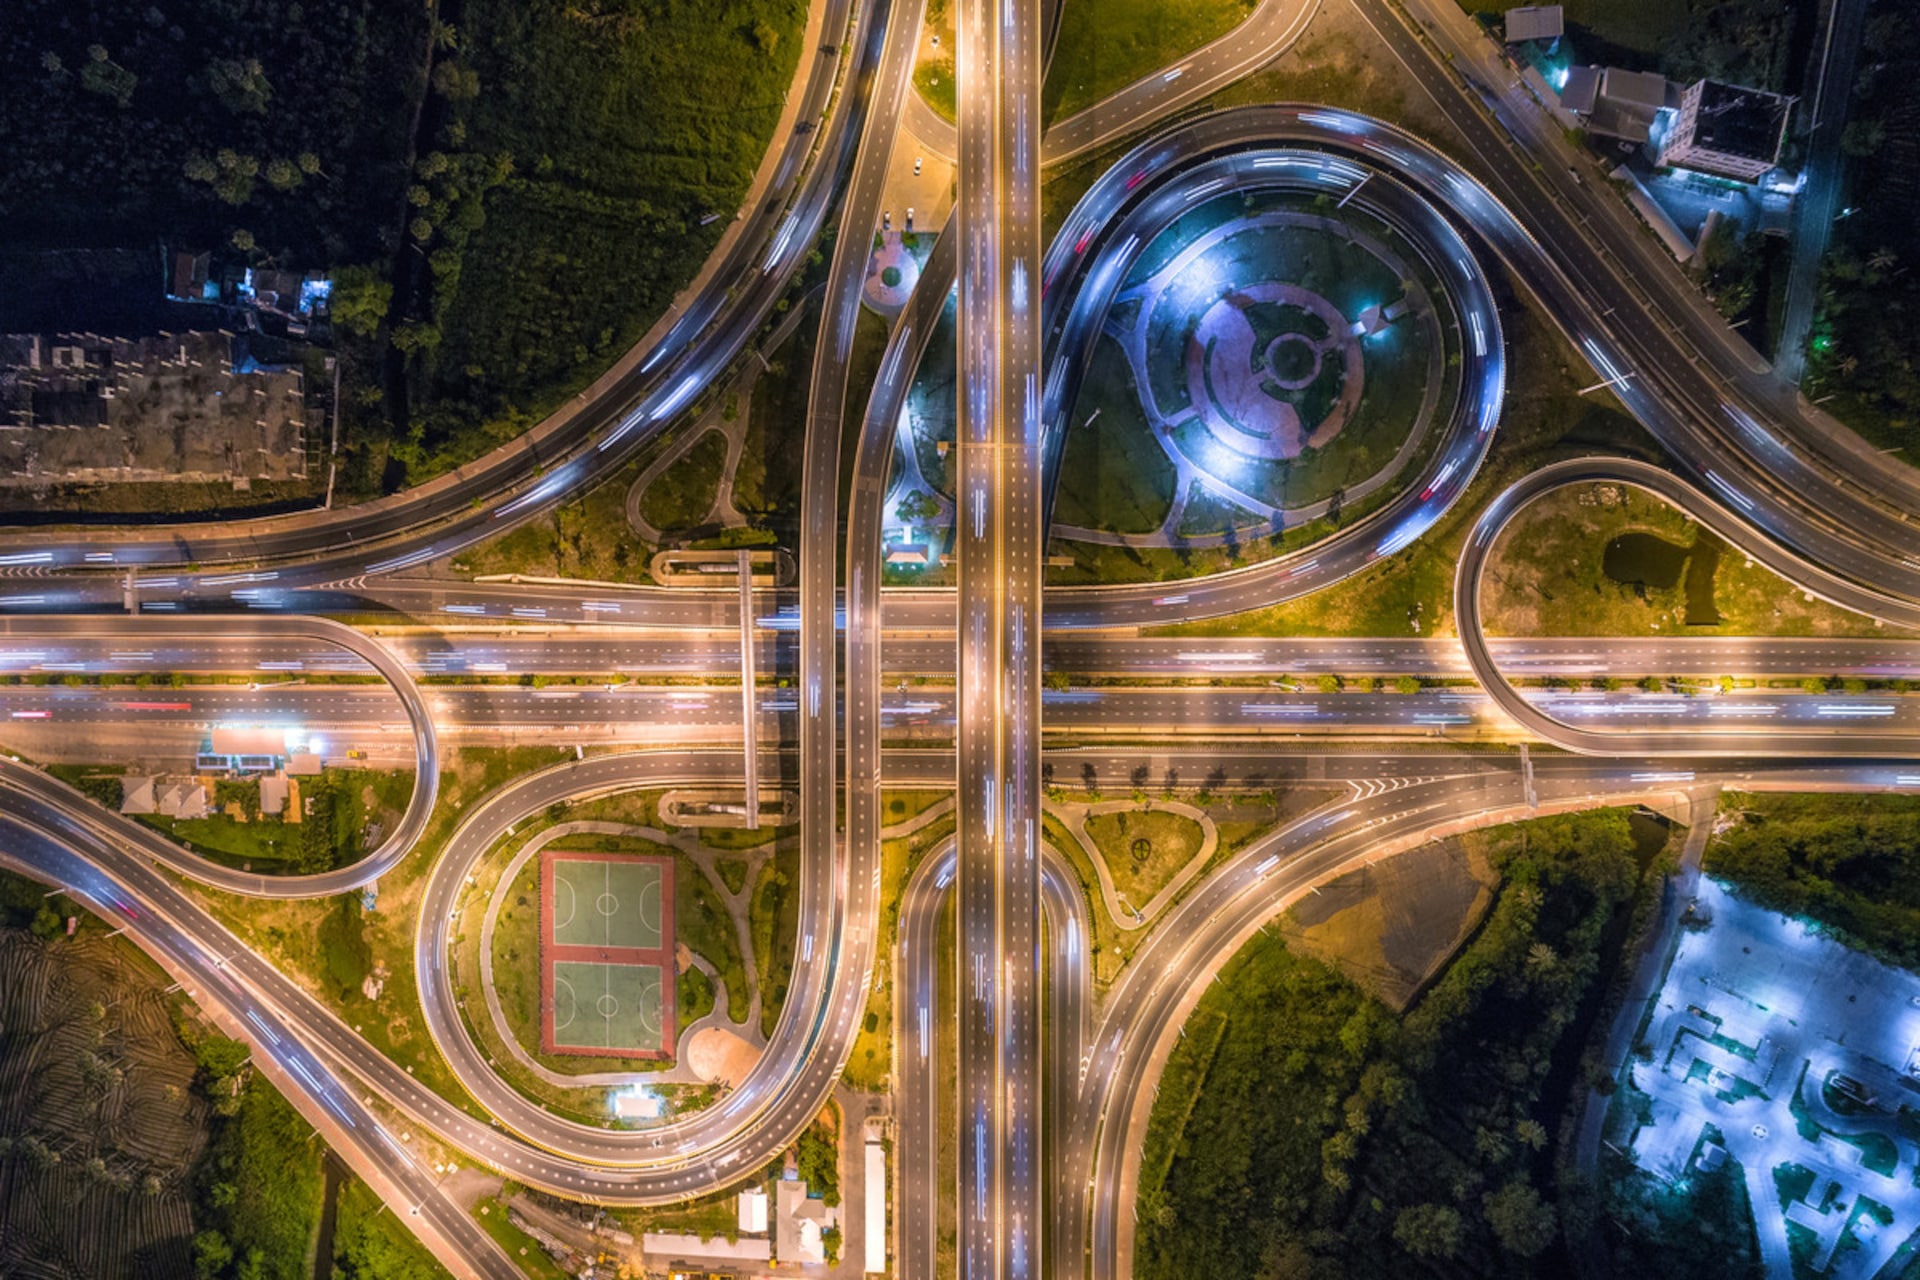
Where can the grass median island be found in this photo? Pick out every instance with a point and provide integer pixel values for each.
(774, 920)
(1114, 475)
(371, 1243)
(1849, 863)
(870, 1062)
(933, 70)
(766, 484)
(1105, 45)
(681, 497)
(704, 924)
(1608, 559)
(733, 872)
(1145, 849)
(1326, 1135)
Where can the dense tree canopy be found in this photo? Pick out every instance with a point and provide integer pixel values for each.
(1330, 1140)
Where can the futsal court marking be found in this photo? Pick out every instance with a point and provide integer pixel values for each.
(624, 1015)
(628, 891)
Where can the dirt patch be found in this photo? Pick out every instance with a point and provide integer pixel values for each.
(1390, 926)
(718, 1056)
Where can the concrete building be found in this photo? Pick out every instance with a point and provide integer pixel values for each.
(249, 741)
(876, 1208)
(753, 1211)
(273, 794)
(672, 1248)
(83, 408)
(167, 797)
(799, 1221)
(1727, 129)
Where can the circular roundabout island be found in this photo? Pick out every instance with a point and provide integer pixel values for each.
(1272, 364)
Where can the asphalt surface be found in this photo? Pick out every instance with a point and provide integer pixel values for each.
(1000, 542)
(1769, 471)
(366, 716)
(201, 632)
(1727, 736)
(645, 654)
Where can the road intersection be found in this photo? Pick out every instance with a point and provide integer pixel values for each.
(1050, 1111)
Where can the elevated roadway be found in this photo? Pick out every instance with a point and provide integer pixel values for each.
(999, 542)
(1726, 738)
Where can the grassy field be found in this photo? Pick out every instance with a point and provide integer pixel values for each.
(1411, 593)
(775, 929)
(1547, 577)
(1114, 475)
(1105, 45)
(586, 538)
(871, 1060)
(681, 497)
(1388, 926)
(1144, 850)
(289, 932)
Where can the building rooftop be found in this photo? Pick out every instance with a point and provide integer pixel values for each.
(1646, 90)
(1534, 22)
(1582, 90)
(85, 408)
(1739, 121)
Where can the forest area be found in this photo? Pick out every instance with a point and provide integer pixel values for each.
(1866, 338)
(1330, 1139)
(505, 194)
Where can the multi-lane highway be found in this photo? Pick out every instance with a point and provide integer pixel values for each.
(1044, 1141)
(617, 655)
(1001, 548)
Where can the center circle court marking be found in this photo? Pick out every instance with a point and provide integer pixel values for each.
(561, 883)
(650, 1008)
(562, 986)
(650, 906)
(607, 1007)
(607, 904)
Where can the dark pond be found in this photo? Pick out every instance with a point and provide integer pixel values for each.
(1648, 561)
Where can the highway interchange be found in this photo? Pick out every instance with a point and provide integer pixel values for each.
(1050, 1110)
